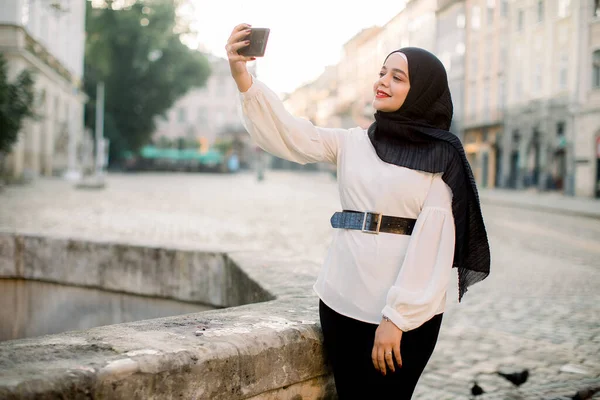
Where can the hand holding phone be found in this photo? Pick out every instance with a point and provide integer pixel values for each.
(238, 40)
(258, 38)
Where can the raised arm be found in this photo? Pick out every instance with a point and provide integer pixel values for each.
(267, 121)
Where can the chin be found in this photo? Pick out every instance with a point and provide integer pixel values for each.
(377, 106)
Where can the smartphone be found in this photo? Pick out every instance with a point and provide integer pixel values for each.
(258, 43)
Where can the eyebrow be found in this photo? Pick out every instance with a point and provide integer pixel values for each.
(396, 70)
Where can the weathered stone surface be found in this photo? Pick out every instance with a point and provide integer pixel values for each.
(7, 255)
(260, 349)
(244, 351)
(208, 278)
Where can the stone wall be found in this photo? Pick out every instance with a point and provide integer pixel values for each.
(270, 349)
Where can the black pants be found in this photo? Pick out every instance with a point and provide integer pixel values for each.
(348, 344)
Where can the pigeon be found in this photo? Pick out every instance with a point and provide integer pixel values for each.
(585, 394)
(477, 390)
(516, 378)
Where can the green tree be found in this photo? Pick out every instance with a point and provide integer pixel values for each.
(138, 54)
(16, 104)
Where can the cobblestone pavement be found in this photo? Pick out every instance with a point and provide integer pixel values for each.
(539, 309)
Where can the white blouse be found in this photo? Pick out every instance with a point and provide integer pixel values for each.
(365, 275)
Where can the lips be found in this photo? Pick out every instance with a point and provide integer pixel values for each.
(381, 94)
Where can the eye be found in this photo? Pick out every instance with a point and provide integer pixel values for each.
(397, 79)
(381, 74)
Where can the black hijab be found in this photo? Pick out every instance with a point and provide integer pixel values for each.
(416, 136)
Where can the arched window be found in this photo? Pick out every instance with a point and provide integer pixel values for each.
(596, 70)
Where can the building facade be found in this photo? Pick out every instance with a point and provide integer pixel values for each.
(450, 46)
(485, 60)
(47, 38)
(552, 116)
(524, 77)
(586, 131)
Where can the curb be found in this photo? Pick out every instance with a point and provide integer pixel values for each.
(540, 207)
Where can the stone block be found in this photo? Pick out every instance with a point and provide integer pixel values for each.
(7, 256)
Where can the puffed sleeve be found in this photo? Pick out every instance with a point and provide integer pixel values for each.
(278, 132)
(421, 285)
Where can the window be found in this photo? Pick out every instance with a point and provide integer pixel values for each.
(596, 70)
(503, 55)
(486, 100)
(560, 129)
(538, 78)
(500, 103)
(596, 8)
(563, 71)
(25, 10)
(460, 20)
(520, 19)
(563, 8)
(540, 10)
(487, 60)
(504, 8)
(490, 11)
(181, 115)
(476, 18)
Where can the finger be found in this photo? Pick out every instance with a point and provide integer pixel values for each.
(240, 27)
(374, 358)
(236, 58)
(239, 36)
(389, 359)
(398, 356)
(381, 361)
(236, 46)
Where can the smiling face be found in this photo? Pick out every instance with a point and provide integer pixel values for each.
(392, 87)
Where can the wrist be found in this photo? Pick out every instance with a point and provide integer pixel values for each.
(243, 80)
(386, 319)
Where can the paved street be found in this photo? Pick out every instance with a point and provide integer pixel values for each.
(539, 309)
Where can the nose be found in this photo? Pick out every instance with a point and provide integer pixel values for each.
(384, 81)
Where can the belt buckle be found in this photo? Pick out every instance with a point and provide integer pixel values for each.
(364, 224)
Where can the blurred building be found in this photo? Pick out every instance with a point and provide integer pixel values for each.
(450, 47)
(585, 160)
(48, 37)
(362, 56)
(485, 75)
(552, 116)
(524, 77)
(203, 114)
(356, 72)
(315, 100)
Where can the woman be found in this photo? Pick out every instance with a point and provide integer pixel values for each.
(411, 212)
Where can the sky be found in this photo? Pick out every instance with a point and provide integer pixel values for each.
(306, 35)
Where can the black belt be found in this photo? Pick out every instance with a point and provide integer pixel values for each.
(370, 222)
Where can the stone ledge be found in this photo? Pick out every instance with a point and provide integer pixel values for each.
(261, 351)
(180, 274)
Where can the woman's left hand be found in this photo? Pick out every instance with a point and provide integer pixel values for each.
(386, 347)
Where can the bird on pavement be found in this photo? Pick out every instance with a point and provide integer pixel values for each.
(516, 378)
(586, 394)
(477, 390)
